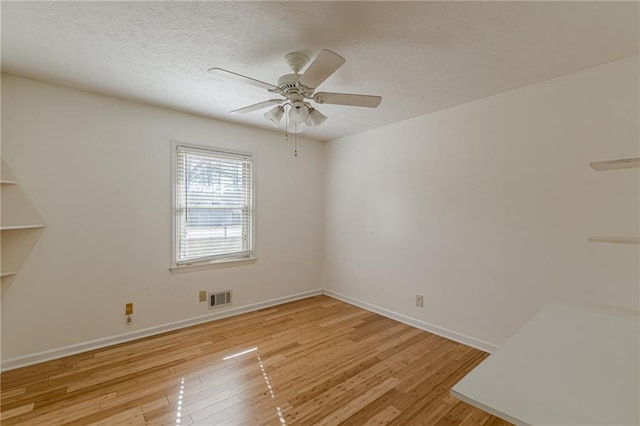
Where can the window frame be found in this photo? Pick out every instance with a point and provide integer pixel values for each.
(220, 261)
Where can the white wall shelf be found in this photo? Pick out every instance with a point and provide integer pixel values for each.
(16, 227)
(625, 163)
(615, 240)
(21, 228)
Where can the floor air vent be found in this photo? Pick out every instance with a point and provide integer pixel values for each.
(219, 299)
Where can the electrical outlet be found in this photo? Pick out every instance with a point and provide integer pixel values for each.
(419, 301)
(128, 309)
(202, 296)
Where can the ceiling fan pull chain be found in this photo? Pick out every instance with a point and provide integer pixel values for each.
(295, 141)
(286, 128)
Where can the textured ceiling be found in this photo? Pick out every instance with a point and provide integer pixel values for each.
(419, 56)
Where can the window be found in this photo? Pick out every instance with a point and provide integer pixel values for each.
(213, 205)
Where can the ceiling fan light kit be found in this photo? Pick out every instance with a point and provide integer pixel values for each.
(275, 115)
(294, 128)
(297, 89)
(299, 112)
(315, 118)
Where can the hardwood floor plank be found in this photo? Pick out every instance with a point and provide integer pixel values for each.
(130, 368)
(6, 414)
(422, 398)
(307, 393)
(434, 413)
(384, 417)
(374, 409)
(477, 416)
(340, 319)
(455, 415)
(62, 413)
(325, 404)
(353, 406)
(316, 361)
(128, 413)
(494, 421)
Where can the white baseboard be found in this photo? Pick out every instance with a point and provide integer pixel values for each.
(422, 325)
(23, 361)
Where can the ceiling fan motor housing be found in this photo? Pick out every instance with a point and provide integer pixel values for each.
(288, 85)
(287, 82)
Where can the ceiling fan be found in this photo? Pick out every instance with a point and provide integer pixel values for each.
(297, 89)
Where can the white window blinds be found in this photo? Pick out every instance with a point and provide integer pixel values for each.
(213, 205)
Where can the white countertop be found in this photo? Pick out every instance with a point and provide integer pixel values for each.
(569, 365)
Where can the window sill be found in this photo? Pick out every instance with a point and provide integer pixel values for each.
(212, 265)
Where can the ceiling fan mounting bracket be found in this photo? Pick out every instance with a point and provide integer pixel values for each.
(296, 61)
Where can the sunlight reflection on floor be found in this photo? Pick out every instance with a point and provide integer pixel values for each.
(265, 377)
(179, 411)
(271, 392)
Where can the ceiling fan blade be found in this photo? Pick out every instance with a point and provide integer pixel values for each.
(242, 78)
(347, 99)
(325, 64)
(257, 106)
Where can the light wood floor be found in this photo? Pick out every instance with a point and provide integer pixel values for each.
(314, 361)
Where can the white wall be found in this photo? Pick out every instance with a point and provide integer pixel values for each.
(485, 208)
(97, 169)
